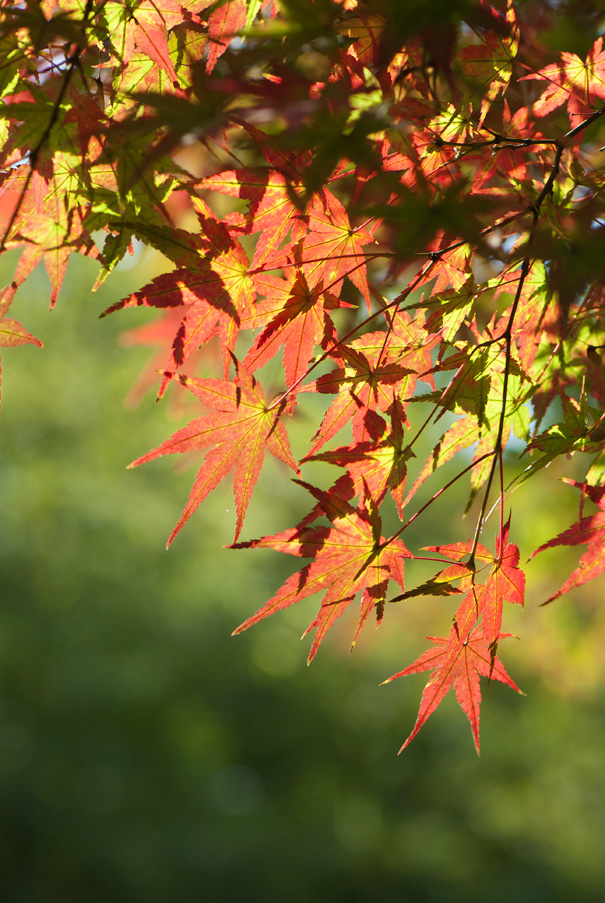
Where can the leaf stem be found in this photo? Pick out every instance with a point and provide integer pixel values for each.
(507, 336)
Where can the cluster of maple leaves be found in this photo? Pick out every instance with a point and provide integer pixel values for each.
(405, 208)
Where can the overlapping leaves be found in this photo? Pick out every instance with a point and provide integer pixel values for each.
(384, 212)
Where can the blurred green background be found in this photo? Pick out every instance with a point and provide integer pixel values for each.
(145, 755)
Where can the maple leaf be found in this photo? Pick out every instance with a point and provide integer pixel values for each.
(478, 387)
(349, 557)
(572, 81)
(459, 661)
(45, 222)
(367, 382)
(224, 22)
(536, 315)
(508, 160)
(560, 438)
(490, 63)
(373, 467)
(161, 333)
(332, 250)
(329, 248)
(588, 531)
(214, 290)
(300, 322)
(238, 431)
(506, 583)
(272, 208)
(205, 308)
(145, 29)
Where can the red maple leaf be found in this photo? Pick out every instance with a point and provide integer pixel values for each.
(332, 249)
(42, 226)
(239, 430)
(459, 661)
(470, 650)
(572, 81)
(588, 531)
(505, 581)
(300, 322)
(373, 467)
(214, 290)
(160, 333)
(349, 557)
(367, 380)
(223, 24)
(490, 63)
(272, 211)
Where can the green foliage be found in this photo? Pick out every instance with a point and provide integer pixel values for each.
(145, 755)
